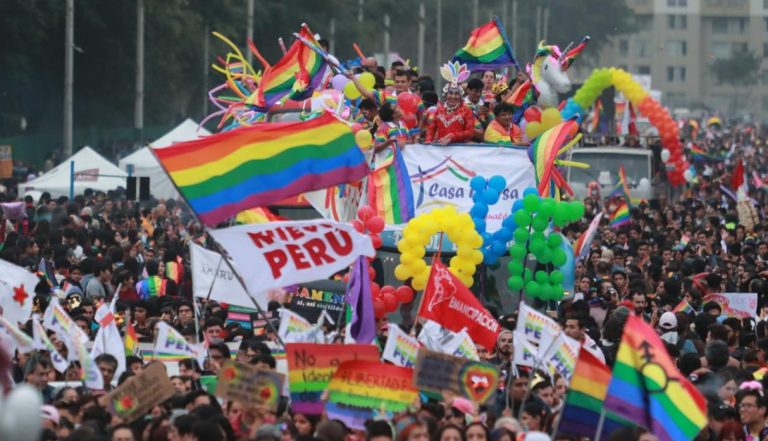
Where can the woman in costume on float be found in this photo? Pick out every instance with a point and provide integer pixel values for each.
(453, 121)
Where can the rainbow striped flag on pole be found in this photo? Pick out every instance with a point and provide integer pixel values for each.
(487, 48)
(647, 389)
(684, 306)
(620, 216)
(389, 190)
(224, 174)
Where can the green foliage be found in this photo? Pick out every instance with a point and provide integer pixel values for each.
(741, 69)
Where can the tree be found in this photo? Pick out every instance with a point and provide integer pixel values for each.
(741, 69)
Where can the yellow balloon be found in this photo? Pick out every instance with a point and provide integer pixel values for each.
(550, 118)
(367, 79)
(364, 139)
(532, 129)
(401, 272)
(351, 92)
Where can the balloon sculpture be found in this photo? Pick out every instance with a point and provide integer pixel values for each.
(533, 215)
(418, 233)
(485, 194)
(645, 104)
(544, 152)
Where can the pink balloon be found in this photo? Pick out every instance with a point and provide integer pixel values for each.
(339, 81)
(532, 114)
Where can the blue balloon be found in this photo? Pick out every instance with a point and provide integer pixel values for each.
(477, 196)
(497, 183)
(517, 205)
(487, 239)
(479, 224)
(505, 234)
(498, 248)
(490, 196)
(477, 183)
(479, 210)
(509, 222)
(491, 259)
(530, 190)
(568, 269)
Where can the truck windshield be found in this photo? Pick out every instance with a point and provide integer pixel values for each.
(636, 166)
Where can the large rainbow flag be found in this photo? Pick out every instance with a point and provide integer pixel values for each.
(298, 73)
(620, 216)
(223, 174)
(647, 389)
(487, 48)
(389, 190)
(584, 402)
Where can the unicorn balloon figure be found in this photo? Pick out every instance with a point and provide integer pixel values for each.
(547, 76)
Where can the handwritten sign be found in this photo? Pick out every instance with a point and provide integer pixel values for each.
(311, 367)
(249, 385)
(436, 372)
(139, 394)
(735, 304)
(359, 388)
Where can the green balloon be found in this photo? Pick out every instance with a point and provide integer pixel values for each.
(561, 210)
(521, 235)
(559, 220)
(536, 247)
(522, 218)
(532, 289)
(545, 256)
(558, 292)
(515, 268)
(538, 235)
(547, 207)
(556, 277)
(527, 275)
(531, 203)
(559, 258)
(540, 223)
(541, 277)
(518, 251)
(515, 283)
(554, 240)
(577, 210)
(547, 293)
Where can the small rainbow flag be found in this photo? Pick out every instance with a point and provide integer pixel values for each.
(584, 402)
(684, 306)
(389, 190)
(620, 216)
(298, 73)
(175, 270)
(224, 174)
(647, 389)
(487, 48)
(152, 286)
(584, 242)
(622, 187)
(701, 155)
(131, 341)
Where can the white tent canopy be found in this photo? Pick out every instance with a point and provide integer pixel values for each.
(91, 171)
(145, 164)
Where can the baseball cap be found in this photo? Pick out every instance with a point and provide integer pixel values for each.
(50, 413)
(668, 321)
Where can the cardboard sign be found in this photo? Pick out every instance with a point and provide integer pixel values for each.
(359, 388)
(6, 162)
(735, 304)
(436, 372)
(139, 394)
(311, 367)
(249, 385)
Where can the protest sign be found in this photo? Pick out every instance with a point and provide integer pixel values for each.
(139, 394)
(249, 385)
(309, 301)
(525, 351)
(401, 349)
(531, 323)
(735, 304)
(278, 254)
(438, 372)
(311, 367)
(561, 355)
(358, 388)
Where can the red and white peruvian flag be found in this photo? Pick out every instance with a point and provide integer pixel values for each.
(17, 289)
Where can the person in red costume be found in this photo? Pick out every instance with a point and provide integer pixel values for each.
(453, 121)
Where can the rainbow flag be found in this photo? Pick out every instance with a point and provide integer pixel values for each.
(152, 286)
(701, 155)
(487, 48)
(684, 306)
(389, 190)
(497, 134)
(226, 173)
(620, 216)
(258, 215)
(584, 402)
(584, 242)
(543, 154)
(175, 270)
(131, 341)
(297, 74)
(622, 187)
(648, 390)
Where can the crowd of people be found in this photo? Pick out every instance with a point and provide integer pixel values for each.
(675, 251)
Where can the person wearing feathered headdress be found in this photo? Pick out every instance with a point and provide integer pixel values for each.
(453, 121)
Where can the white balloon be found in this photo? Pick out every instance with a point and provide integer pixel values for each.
(665, 155)
(20, 414)
(688, 175)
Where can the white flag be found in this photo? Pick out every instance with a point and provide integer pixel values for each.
(90, 373)
(108, 339)
(532, 323)
(525, 351)
(278, 254)
(401, 349)
(57, 320)
(170, 341)
(15, 337)
(295, 329)
(436, 338)
(210, 274)
(17, 289)
(461, 345)
(42, 342)
(561, 356)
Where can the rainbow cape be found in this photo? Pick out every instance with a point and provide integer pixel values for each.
(496, 134)
(647, 389)
(487, 48)
(226, 173)
(257, 215)
(152, 286)
(620, 216)
(389, 190)
(297, 74)
(584, 402)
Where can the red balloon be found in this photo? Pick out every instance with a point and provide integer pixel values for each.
(375, 290)
(358, 226)
(365, 212)
(377, 242)
(390, 302)
(532, 114)
(404, 294)
(371, 273)
(375, 224)
(356, 127)
(379, 308)
(407, 102)
(387, 289)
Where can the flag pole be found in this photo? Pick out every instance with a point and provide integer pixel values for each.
(600, 424)
(536, 365)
